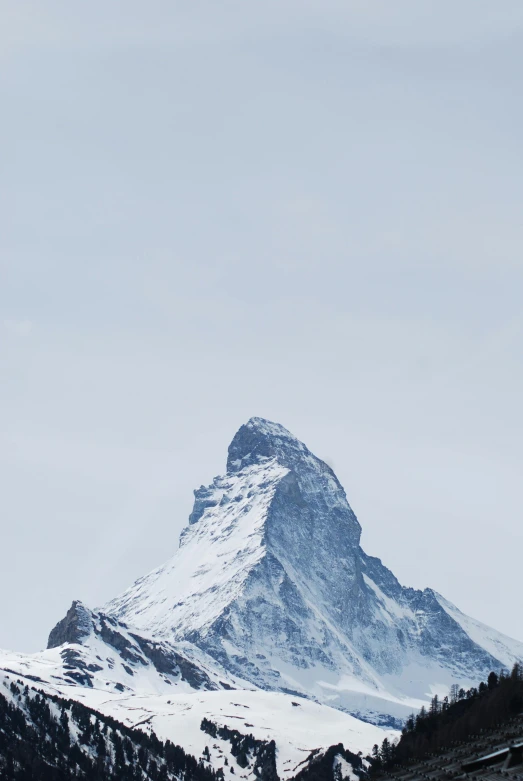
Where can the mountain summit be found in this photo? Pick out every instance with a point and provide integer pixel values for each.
(269, 619)
(271, 582)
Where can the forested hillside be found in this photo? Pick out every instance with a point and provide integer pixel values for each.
(455, 718)
(46, 738)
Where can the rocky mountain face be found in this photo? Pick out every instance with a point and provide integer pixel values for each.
(270, 581)
(269, 620)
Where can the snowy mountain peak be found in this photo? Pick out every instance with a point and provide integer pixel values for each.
(271, 584)
(269, 602)
(260, 438)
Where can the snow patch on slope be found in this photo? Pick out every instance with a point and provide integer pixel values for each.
(345, 769)
(213, 562)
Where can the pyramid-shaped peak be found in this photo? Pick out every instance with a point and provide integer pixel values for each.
(261, 438)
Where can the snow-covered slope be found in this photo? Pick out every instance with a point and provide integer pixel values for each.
(270, 580)
(298, 726)
(270, 617)
(168, 688)
(45, 737)
(214, 560)
(175, 711)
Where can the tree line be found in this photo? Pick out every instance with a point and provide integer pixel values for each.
(47, 738)
(454, 718)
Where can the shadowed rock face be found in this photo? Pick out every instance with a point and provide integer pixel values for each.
(317, 485)
(76, 625)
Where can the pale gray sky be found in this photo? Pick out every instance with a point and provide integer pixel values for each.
(306, 211)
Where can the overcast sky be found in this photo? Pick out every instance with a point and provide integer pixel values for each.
(306, 211)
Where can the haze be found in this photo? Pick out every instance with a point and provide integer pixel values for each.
(306, 211)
